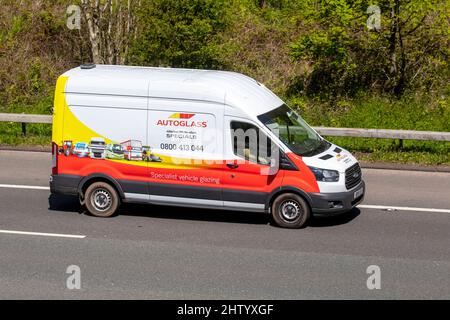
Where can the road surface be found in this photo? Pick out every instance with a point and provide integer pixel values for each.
(155, 252)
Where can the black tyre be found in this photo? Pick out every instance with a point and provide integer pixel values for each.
(101, 199)
(289, 210)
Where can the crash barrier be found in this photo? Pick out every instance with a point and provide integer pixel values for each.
(24, 119)
(325, 131)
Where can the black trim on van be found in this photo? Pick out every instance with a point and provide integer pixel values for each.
(319, 202)
(130, 186)
(329, 203)
(64, 184)
(72, 185)
(323, 203)
(85, 179)
(186, 191)
(237, 195)
(284, 189)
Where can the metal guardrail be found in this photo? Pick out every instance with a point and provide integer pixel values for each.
(384, 134)
(325, 131)
(24, 119)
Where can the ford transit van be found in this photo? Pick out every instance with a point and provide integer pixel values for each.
(221, 139)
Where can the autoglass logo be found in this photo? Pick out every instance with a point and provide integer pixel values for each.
(179, 119)
(182, 115)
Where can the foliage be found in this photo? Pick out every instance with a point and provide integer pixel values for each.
(35, 47)
(180, 33)
(410, 49)
(319, 55)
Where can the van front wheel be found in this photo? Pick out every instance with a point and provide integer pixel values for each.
(290, 211)
(101, 199)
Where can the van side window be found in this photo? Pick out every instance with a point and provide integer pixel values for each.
(250, 143)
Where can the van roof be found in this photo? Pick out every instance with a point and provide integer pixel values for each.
(223, 87)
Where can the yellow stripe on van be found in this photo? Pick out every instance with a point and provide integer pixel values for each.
(58, 110)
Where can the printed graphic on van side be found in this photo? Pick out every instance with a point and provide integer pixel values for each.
(98, 149)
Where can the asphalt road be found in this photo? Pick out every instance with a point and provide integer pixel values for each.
(178, 253)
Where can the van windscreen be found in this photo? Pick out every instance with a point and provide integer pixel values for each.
(294, 131)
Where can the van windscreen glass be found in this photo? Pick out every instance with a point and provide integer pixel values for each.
(294, 131)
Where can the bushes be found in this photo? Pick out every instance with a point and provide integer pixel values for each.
(317, 54)
(420, 112)
(318, 48)
(413, 112)
(410, 49)
(182, 33)
(35, 48)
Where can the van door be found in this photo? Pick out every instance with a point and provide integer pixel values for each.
(247, 180)
(186, 152)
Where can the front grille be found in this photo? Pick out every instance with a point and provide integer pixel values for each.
(353, 176)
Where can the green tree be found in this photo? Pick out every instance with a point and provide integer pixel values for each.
(410, 48)
(182, 33)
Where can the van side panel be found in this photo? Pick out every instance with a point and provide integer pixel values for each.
(186, 135)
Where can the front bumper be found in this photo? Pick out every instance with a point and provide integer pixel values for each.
(329, 203)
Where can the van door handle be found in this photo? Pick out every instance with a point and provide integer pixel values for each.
(232, 165)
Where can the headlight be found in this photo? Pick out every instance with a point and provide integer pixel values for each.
(325, 175)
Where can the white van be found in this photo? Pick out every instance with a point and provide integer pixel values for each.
(222, 140)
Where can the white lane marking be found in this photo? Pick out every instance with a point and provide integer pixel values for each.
(43, 234)
(19, 186)
(368, 206)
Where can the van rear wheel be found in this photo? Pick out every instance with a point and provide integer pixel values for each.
(289, 210)
(101, 199)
